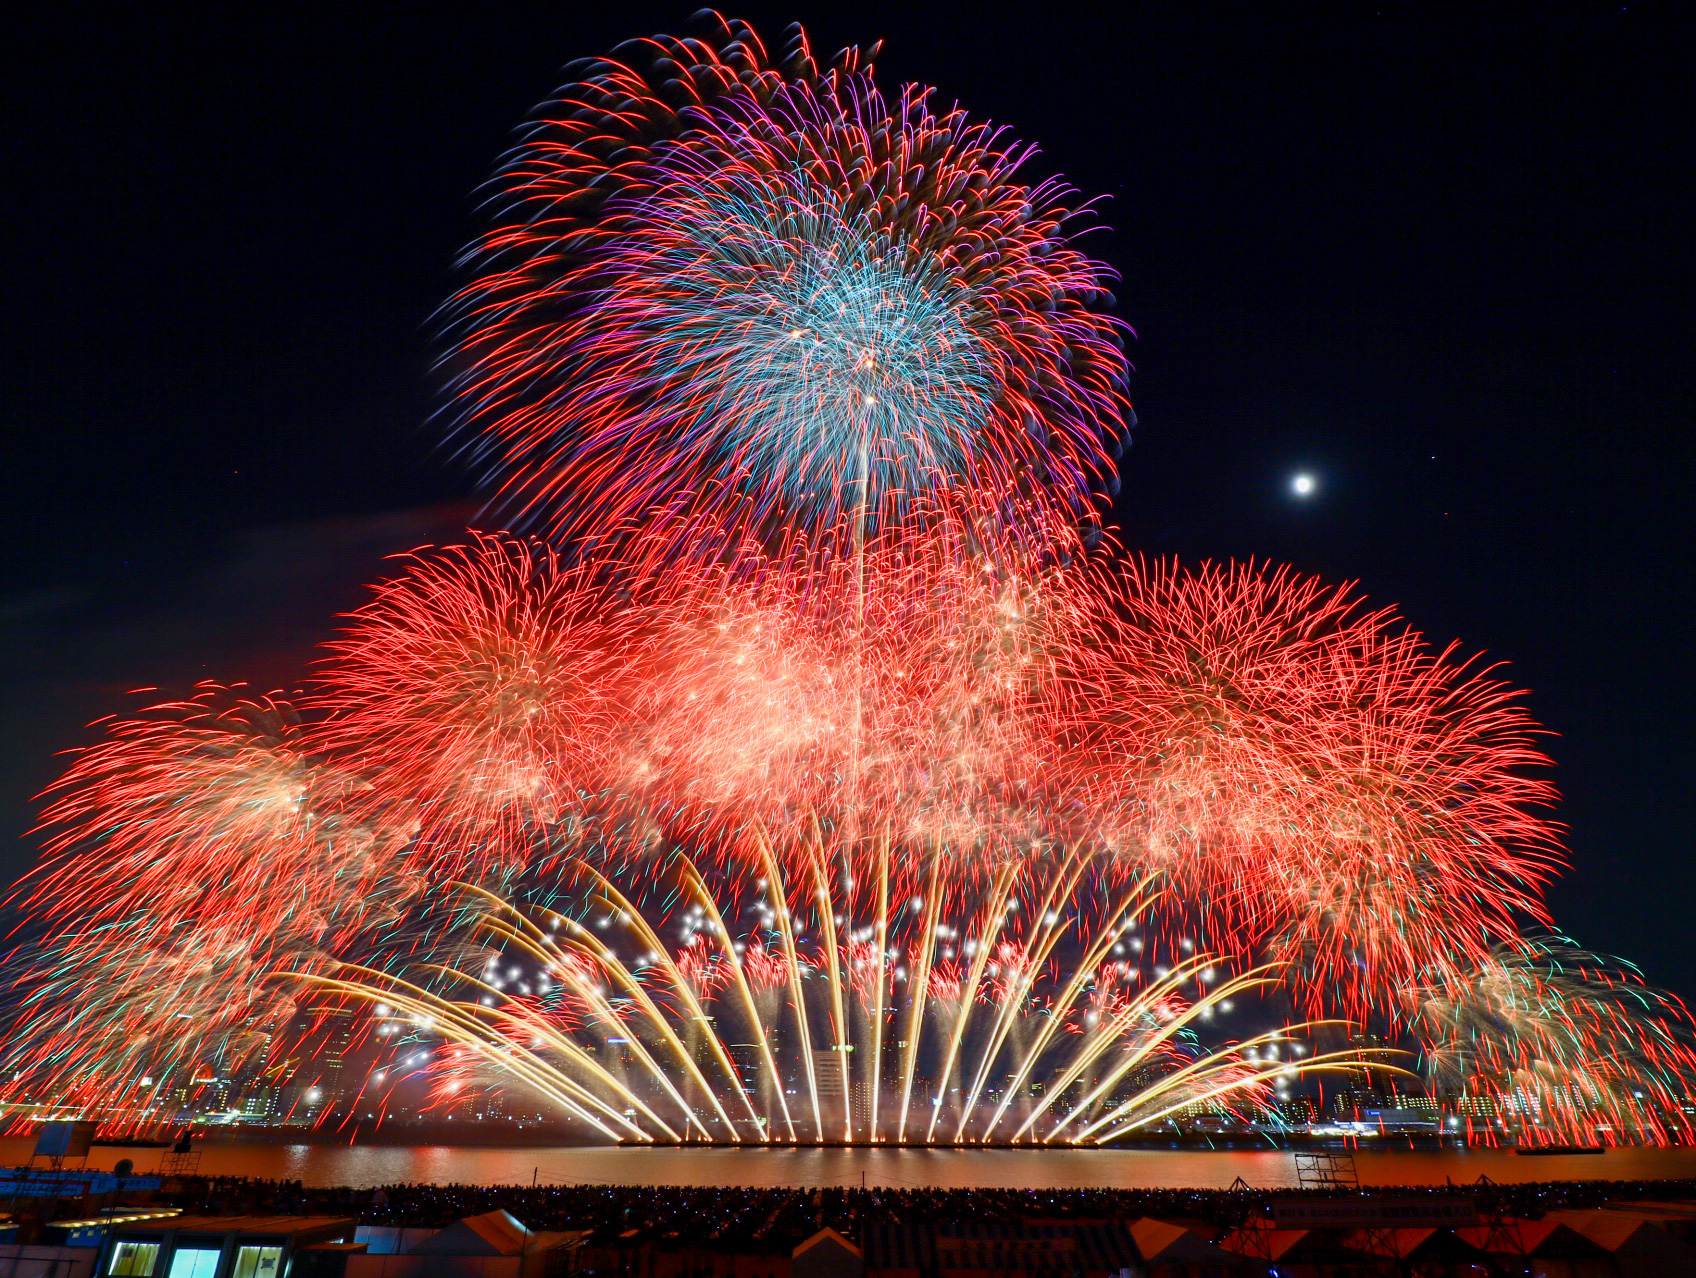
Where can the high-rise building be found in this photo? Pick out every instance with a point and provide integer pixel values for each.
(339, 1027)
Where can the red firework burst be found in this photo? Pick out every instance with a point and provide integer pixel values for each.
(197, 849)
(218, 808)
(893, 696)
(490, 687)
(1333, 789)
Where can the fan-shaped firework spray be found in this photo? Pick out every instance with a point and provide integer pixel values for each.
(717, 1018)
(734, 295)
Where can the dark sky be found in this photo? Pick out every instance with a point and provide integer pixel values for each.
(1438, 255)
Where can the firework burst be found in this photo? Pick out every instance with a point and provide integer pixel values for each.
(735, 296)
(201, 846)
(1337, 792)
(221, 807)
(490, 686)
(1570, 1045)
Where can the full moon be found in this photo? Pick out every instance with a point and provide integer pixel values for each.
(1303, 485)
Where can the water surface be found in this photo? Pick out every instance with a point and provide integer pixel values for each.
(366, 1165)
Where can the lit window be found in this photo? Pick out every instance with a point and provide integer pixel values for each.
(195, 1262)
(133, 1260)
(258, 1262)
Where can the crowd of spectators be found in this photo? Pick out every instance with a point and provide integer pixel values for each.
(778, 1218)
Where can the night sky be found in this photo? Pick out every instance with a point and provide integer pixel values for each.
(1440, 263)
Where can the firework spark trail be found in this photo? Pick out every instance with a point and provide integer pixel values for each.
(1574, 1045)
(1032, 952)
(736, 296)
(1333, 789)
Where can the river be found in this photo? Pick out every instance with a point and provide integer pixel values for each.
(366, 1165)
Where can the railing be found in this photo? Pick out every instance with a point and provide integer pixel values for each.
(186, 1163)
(16, 1262)
(1326, 1169)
